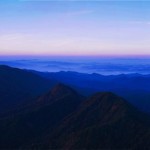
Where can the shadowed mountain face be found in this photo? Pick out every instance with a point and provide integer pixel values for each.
(64, 119)
(105, 121)
(133, 87)
(60, 91)
(35, 120)
(19, 86)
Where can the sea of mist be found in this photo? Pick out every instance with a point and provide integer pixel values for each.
(84, 64)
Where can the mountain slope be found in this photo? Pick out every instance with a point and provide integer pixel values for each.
(19, 86)
(62, 119)
(42, 116)
(133, 87)
(105, 121)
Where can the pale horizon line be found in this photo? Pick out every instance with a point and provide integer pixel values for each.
(104, 55)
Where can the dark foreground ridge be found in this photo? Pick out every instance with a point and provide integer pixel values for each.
(38, 119)
(63, 119)
(104, 121)
(135, 88)
(18, 87)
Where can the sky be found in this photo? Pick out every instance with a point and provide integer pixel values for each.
(74, 27)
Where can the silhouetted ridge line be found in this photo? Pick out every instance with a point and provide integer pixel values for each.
(104, 121)
(18, 87)
(39, 119)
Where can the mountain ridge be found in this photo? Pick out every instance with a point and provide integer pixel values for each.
(64, 119)
(134, 88)
(37, 118)
(18, 87)
(80, 131)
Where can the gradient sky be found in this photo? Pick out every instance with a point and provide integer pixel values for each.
(34, 27)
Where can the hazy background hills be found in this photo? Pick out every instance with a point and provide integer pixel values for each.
(39, 112)
(59, 117)
(24, 84)
(133, 87)
(110, 65)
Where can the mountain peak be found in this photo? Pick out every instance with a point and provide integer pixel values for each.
(61, 89)
(106, 96)
(102, 107)
(104, 121)
(58, 92)
(107, 103)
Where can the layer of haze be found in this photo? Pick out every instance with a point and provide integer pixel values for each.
(74, 27)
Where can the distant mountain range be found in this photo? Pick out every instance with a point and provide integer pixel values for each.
(133, 87)
(61, 118)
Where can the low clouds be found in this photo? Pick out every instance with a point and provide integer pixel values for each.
(101, 65)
